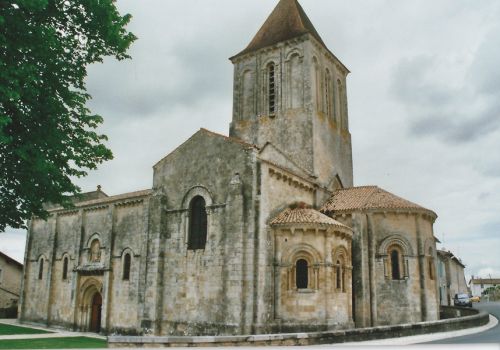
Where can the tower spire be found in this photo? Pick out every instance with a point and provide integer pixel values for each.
(287, 21)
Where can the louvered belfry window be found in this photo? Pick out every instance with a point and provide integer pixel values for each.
(271, 89)
(197, 224)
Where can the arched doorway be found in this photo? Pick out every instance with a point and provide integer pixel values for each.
(95, 313)
(90, 304)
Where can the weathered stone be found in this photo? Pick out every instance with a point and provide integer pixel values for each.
(206, 254)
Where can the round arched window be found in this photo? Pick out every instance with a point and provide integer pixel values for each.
(197, 224)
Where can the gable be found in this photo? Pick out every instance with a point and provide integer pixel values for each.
(275, 156)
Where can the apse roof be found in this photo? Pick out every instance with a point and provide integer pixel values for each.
(367, 197)
(305, 216)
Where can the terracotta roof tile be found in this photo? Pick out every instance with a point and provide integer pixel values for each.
(486, 281)
(305, 216)
(367, 197)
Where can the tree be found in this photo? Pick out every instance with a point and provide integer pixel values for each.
(47, 134)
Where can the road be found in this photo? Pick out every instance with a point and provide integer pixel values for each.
(491, 336)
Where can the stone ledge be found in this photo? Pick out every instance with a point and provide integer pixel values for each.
(478, 319)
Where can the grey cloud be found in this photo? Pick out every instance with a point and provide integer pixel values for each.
(456, 115)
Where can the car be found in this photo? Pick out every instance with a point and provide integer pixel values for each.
(476, 299)
(462, 300)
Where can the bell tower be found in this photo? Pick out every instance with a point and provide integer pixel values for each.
(290, 90)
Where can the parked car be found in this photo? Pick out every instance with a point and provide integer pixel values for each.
(462, 300)
(476, 299)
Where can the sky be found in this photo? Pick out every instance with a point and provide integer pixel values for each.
(424, 101)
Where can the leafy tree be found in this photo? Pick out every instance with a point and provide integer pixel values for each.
(47, 134)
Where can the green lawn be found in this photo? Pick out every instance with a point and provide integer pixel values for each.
(7, 329)
(54, 343)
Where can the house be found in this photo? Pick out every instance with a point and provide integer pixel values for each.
(11, 273)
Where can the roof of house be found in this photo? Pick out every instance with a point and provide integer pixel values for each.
(485, 280)
(446, 254)
(368, 197)
(11, 260)
(287, 21)
(305, 216)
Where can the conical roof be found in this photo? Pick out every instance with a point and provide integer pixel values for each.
(368, 197)
(305, 216)
(287, 21)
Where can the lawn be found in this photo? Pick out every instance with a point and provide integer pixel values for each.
(7, 329)
(54, 343)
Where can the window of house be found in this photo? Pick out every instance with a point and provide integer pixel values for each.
(197, 224)
(65, 268)
(40, 269)
(301, 274)
(395, 265)
(1, 276)
(95, 251)
(271, 89)
(126, 267)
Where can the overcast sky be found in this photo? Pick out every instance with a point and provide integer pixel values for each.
(424, 100)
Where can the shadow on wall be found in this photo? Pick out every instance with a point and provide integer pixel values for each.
(10, 312)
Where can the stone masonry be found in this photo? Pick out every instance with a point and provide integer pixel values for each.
(255, 233)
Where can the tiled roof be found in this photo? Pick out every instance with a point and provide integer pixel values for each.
(367, 197)
(110, 199)
(305, 216)
(287, 21)
(485, 280)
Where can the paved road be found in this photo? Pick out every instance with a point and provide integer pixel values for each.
(491, 336)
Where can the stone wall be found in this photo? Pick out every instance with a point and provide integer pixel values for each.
(300, 126)
(380, 299)
(208, 291)
(326, 302)
(10, 282)
(49, 298)
(479, 318)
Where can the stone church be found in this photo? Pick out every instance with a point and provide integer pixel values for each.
(260, 231)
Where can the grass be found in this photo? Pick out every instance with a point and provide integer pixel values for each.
(7, 329)
(54, 343)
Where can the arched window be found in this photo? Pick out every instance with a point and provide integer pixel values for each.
(338, 272)
(395, 265)
(40, 269)
(197, 224)
(301, 274)
(95, 251)
(341, 102)
(431, 264)
(65, 268)
(247, 95)
(295, 82)
(271, 88)
(126, 266)
(328, 96)
(317, 84)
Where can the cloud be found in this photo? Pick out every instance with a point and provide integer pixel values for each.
(423, 99)
(439, 108)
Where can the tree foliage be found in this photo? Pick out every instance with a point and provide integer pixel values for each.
(47, 134)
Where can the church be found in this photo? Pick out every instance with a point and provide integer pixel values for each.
(257, 232)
